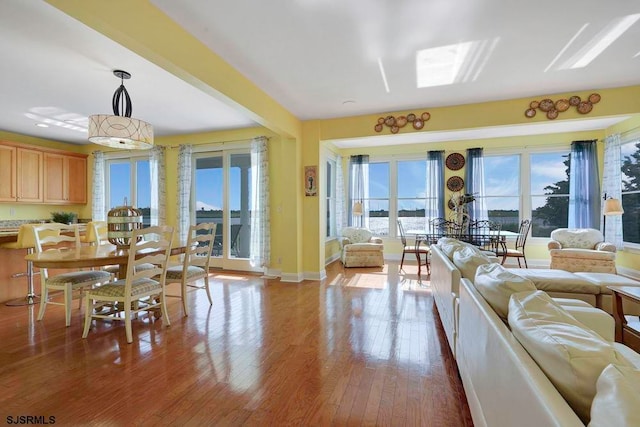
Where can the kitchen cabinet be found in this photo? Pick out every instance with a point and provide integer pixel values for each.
(32, 174)
(65, 179)
(7, 174)
(29, 176)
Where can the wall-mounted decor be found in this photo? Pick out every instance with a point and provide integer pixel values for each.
(455, 183)
(553, 109)
(395, 123)
(310, 181)
(455, 161)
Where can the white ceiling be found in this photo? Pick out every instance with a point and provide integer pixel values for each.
(312, 56)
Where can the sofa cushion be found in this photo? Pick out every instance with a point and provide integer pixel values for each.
(583, 254)
(607, 279)
(570, 355)
(467, 259)
(617, 399)
(496, 285)
(365, 247)
(557, 281)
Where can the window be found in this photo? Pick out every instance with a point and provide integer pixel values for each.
(223, 194)
(129, 178)
(411, 193)
(549, 192)
(331, 198)
(502, 190)
(396, 190)
(378, 201)
(630, 166)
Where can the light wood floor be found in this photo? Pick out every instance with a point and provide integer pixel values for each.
(361, 348)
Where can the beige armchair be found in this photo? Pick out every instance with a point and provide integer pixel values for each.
(360, 248)
(581, 249)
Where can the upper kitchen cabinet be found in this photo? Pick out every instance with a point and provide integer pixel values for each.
(7, 174)
(65, 179)
(29, 176)
(41, 175)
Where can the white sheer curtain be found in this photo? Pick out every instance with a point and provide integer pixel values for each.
(612, 187)
(260, 252)
(98, 207)
(341, 213)
(184, 192)
(158, 185)
(435, 186)
(359, 190)
(474, 177)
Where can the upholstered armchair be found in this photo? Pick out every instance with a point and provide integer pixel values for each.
(360, 248)
(581, 249)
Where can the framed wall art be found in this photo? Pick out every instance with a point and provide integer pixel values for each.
(310, 181)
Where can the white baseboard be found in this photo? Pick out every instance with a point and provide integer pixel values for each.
(292, 277)
(315, 275)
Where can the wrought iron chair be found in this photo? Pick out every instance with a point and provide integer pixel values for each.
(521, 240)
(416, 249)
(485, 234)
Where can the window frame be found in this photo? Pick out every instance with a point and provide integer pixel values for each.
(124, 157)
(525, 153)
(634, 139)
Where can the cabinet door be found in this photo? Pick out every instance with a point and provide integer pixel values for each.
(29, 176)
(54, 178)
(77, 179)
(7, 174)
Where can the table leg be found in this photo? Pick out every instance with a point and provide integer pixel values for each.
(618, 315)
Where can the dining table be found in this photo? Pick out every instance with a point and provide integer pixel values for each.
(428, 237)
(87, 256)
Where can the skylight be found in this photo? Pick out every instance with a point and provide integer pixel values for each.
(445, 65)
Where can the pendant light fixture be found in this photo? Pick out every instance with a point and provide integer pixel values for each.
(120, 130)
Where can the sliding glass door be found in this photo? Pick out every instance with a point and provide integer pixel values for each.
(222, 194)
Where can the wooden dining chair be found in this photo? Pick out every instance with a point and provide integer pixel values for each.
(195, 264)
(68, 236)
(142, 289)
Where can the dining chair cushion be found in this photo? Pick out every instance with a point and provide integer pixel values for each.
(77, 277)
(175, 273)
(116, 289)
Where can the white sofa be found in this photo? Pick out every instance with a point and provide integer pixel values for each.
(503, 384)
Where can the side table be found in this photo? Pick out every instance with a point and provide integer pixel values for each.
(626, 333)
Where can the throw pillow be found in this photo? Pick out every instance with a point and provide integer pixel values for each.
(468, 259)
(496, 285)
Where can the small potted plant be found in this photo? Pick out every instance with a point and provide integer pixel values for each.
(63, 217)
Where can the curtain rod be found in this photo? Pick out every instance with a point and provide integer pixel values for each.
(227, 142)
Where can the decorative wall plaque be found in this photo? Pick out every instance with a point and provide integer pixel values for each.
(553, 109)
(396, 123)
